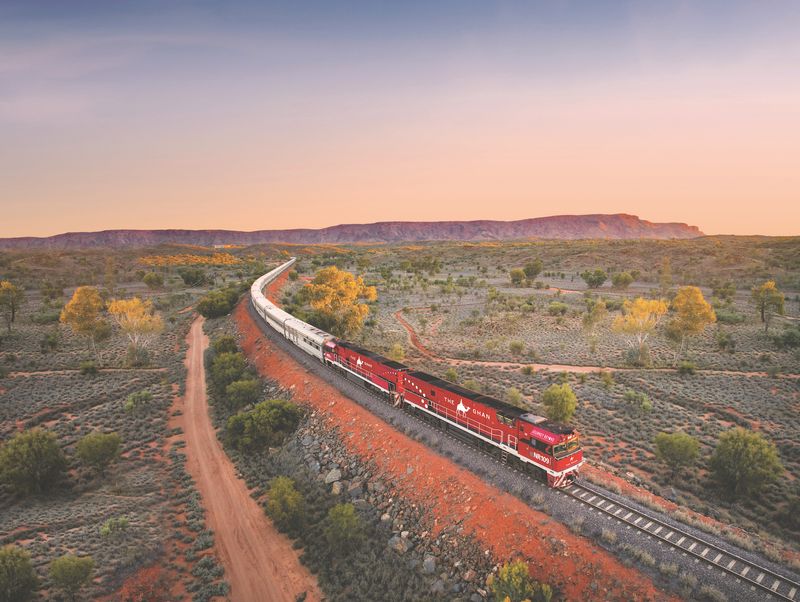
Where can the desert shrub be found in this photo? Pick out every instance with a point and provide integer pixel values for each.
(225, 369)
(725, 341)
(18, 579)
(638, 401)
(744, 462)
(727, 316)
(49, 342)
(225, 344)
(557, 308)
(685, 368)
(397, 352)
(148, 585)
(594, 279)
(527, 370)
(88, 368)
(607, 379)
(668, 569)
(560, 402)
(621, 280)
(513, 582)
(608, 536)
(99, 450)
(135, 402)
(242, 393)
(136, 356)
(343, 529)
(514, 396)
(285, 504)
(219, 302)
(153, 280)
(192, 276)
(451, 375)
(711, 593)
(45, 317)
(788, 339)
(71, 573)
(677, 450)
(516, 347)
(639, 357)
(32, 462)
(473, 385)
(115, 528)
(266, 425)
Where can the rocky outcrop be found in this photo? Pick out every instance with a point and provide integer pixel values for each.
(451, 562)
(568, 227)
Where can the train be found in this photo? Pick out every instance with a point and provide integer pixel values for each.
(550, 450)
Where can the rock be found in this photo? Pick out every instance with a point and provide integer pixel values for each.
(334, 475)
(475, 598)
(336, 489)
(355, 488)
(429, 565)
(399, 545)
(404, 534)
(437, 587)
(469, 575)
(385, 517)
(307, 440)
(314, 466)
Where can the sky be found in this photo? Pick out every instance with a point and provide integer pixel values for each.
(261, 115)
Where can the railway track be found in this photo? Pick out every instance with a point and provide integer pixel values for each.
(750, 573)
(755, 575)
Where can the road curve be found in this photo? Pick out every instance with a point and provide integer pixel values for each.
(260, 563)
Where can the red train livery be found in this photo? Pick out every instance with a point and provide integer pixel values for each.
(552, 449)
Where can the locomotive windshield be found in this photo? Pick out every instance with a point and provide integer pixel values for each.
(565, 449)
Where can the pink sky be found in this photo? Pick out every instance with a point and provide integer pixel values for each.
(197, 127)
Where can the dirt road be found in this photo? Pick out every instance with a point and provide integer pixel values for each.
(260, 563)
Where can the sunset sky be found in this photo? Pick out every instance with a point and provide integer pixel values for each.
(253, 115)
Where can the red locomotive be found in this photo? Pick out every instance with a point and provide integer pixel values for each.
(551, 449)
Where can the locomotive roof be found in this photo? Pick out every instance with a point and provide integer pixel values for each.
(370, 354)
(548, 425)
(506, 408)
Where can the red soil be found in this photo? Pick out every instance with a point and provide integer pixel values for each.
(499, 521)
(260, 563)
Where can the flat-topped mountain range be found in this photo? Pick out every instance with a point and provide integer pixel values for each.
(570, 227)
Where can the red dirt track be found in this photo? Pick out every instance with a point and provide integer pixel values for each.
(260, 563)
(499, 521)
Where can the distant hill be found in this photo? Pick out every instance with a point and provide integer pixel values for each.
(615, 226)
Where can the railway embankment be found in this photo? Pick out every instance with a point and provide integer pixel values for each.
(454, 504)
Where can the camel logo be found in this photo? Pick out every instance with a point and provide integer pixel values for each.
(462, 409)
(359, 362)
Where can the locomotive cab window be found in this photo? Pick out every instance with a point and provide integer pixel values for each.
(505, 419)
(565, 449)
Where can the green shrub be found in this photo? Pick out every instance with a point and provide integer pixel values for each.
(513, 582)
(343, 529)
(88, 368)
(225, 369)
(744, 462)
(115, 528)
(71, 573)
(285, 505)
(266, 425)
(32, 462)
(225, 344)
(557, 308)
(242, 393)
(725, 316)
(99, 450)
(686, 368)
(560, 402)
(18, 579)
